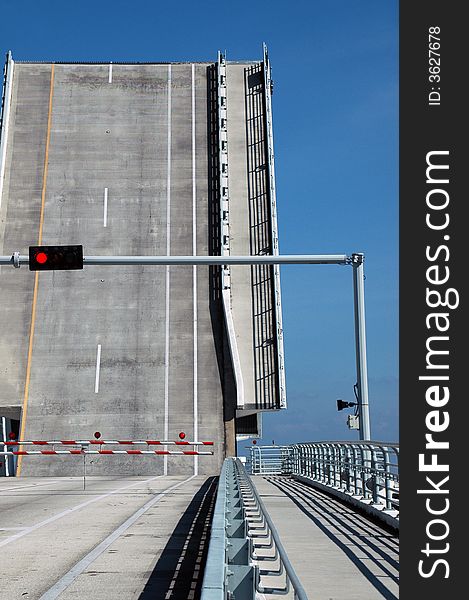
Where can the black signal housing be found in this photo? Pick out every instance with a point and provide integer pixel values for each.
(54, 258)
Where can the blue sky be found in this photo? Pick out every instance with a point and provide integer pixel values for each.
(335, 110)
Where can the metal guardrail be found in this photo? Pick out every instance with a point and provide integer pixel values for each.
(365, 470)
(245, 555)
(269, 460)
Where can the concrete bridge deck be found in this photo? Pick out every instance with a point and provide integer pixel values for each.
(147, 537)
(137, 537)
(337, 553)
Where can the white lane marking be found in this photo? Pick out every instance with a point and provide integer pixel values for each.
(98, 368)
(168, 253)
(69, 511)
(5, 447)
(106, 191)
(194, 275)
(65, 581)
(30, 485)
(12, 528)
(110, 73)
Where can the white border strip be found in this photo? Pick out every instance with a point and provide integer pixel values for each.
(168, 253)
(233, 347)
(6, 119)
(194, 277)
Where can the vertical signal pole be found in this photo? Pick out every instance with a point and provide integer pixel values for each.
(360, 345)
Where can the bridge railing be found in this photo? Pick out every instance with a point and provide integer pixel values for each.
(368, 471)
(269, 460)
(245, 556)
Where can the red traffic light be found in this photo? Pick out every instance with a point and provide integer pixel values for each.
(254, 441)
(97, 434)
(41, 257)
(49, 258)
(12, 435)
(182, 435)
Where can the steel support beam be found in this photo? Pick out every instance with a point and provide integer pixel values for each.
(17, 260)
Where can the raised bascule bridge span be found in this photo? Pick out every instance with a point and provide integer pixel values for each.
(125, 385)
(150, 159)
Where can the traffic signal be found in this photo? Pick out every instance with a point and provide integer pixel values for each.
(50, 258)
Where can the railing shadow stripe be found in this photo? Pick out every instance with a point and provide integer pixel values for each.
(356, 520)
(331, 512)
(370, 576)
(179, 571)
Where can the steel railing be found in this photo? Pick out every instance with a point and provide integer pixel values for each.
(365, 470)
(245, 555)
(369, 470)
(269, 460)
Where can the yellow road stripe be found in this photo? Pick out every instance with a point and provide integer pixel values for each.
(36, 278)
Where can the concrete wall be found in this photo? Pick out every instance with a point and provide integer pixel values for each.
(120, 159)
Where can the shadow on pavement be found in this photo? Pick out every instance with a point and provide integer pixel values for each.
(179, 572)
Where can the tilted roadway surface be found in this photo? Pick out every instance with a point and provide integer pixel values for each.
(136, 537)
(114, 158)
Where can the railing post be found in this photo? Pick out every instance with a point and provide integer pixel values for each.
(374, 475)
(330, 464)
(357, 470)
(387, 478)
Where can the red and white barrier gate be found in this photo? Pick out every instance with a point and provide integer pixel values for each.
(100, 442)
(83, 451)
(86, 443)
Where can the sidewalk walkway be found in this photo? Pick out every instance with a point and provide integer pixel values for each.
(337, 553)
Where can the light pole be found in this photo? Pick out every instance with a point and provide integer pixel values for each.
(360, 345)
